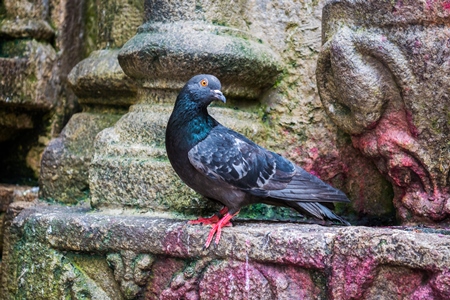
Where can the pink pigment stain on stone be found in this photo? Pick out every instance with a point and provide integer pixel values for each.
(314, 153)
(393, 144)
(173, 243)
(289, 282)
(310, 260)
(412, 128)
(446, 5)
(234, 280)
(357, 273)
(162, 272)
(441, 283)
(417, 44)
(351, 275)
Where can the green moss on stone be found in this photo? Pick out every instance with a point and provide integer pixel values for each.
(91, 27)
(262, 211)
(13, 48)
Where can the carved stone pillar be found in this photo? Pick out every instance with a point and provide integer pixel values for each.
(130, 167)
(384, 78)
(104, 92)
(39, 44)
(28, 87)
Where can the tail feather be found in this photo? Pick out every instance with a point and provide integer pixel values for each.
(317, 210)
(307, 187)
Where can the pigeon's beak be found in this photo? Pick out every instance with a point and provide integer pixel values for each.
(217, 95)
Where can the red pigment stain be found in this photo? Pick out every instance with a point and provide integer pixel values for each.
(446, 5)
(315, 173)
(314, 153)
(441, 283)
(173, 243)
(406, 161)
(163, 271)
(388, 141)
(412, 127)
(357, 273)
(417, 44)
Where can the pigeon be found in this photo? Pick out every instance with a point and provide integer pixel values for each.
(226, 167)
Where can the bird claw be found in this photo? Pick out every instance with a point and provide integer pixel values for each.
(217, 229)
(205, 221)
(211, 220)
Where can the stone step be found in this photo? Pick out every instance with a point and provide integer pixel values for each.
(112, 252)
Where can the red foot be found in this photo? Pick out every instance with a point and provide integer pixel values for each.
(217, 229)
(211, 220)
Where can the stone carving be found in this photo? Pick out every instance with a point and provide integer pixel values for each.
(131, 270)
(231, 279)
(384, 79)
(156, 258)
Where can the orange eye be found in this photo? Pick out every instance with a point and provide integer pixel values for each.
(204, 82)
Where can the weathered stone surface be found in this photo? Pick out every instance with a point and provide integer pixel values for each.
(253, 260)
(23, 28)
(65, 161)
(25, 9)
(130, 166)
(27, 74)
(131, 270)
(105, 93)
(120, 22)
(28, 94)
(384, 79)
(12, 193)
(99, 80)
(39, 43)
(166, 55)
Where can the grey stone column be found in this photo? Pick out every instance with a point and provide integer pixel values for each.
(103, 91)
(177, 41)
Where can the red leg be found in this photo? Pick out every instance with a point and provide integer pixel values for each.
(217, 229)
(211, 220)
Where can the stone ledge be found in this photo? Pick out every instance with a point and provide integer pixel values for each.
(353, 262)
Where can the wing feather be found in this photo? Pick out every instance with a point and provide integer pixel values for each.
(228, 156)
(232, 158)
(307, 187)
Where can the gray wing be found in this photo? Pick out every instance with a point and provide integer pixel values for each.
(228, 156)
(232, 158)
(307, 187)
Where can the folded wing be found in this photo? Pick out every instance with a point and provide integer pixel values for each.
(228, 156)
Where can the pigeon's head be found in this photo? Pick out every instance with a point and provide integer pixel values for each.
(203, 89)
